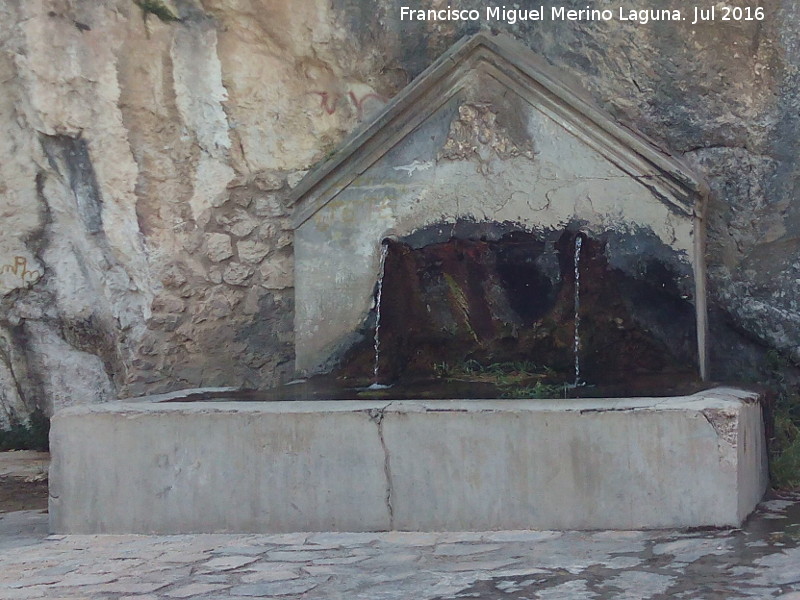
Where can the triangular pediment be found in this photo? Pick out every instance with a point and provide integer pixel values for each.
(511, 65)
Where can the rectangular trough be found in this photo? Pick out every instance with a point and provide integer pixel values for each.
(434, 465)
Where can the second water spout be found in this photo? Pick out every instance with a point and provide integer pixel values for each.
(577, 339)
(381, 271)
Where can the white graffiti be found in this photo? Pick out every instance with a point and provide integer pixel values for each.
(415, 166)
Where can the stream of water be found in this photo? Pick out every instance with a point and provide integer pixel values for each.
(577, 340)
(375, 385)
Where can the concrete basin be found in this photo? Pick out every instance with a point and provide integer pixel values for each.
(433, 465)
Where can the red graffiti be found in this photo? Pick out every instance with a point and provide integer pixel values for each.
(328, 101)
(327, 105)
(359, 102)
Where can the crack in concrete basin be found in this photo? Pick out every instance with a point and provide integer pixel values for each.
(377, 415)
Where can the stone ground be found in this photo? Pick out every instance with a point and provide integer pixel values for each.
(761, 560)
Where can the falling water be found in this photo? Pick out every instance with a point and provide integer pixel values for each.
(577, 342)
(381, 271)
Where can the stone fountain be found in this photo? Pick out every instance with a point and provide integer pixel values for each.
(489, 145)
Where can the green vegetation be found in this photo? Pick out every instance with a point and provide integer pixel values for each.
(378, 394)
(157, 8)
(32, 435)
(785, 453)
(460, 298)
(785, 442)
(540, 390)
(517, 379)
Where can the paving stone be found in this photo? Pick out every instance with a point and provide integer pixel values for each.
(23, 593)
(573, 590)
(32, 581)
(321, 570)
(78, 580)
(183, 557)
(691, 549)
(784, 568)
(129, 587)
(387, 559)
(298, 556)
(486, 565)
(464, 549)
(309, 547)
(615, 534)
(276, 588)
(289, 539)
(267, 576)
(166, 574)
(622, 562)
(58, 570)
(196, 589)
(409, 538)
(343, 539)
(449, 537)
(637, 585)
(227, 563)
(242, 551)
(521, 536)
(342, 560)
(756, 592)
(762, 561)
(520, 572)
(775, 505)
(268, 565)
(225, 577)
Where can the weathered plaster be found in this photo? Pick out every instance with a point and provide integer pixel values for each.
(576, 167)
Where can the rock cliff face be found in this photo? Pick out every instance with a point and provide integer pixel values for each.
(146, 162)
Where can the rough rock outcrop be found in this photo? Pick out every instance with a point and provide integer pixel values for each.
(146, 165)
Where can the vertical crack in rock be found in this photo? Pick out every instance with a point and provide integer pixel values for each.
(38, 241)
(376, 415)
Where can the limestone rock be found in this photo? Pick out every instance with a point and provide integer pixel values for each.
(127, 145)
(475, 133)
(218, 247)
(239, 223)
(21, 270)
(68, 374)
(252, 251)
(267, 182)
(269, 205)
(236, 274)
(295, 178)
(278, 273)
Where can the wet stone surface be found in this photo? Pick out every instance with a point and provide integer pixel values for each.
(505, 300)
(761, 560)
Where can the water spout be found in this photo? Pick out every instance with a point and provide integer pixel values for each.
(382, 269)
(577, 339)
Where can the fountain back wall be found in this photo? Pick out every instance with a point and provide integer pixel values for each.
(488, 143)
(568, 307)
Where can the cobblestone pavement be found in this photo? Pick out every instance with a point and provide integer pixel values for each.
(760, 561)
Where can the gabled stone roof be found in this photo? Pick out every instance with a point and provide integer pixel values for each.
(526, 74)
